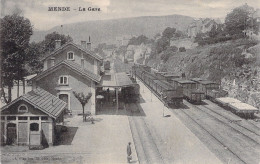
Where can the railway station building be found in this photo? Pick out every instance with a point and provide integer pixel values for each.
(31, 119)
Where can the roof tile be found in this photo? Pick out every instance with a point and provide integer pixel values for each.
(36, 98)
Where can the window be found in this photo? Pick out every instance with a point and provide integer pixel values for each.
(70, 55)
(34, 118)
(44, 118)
(11, 118)
(34, 127)
(22, 108)
(63, 80)
(22, 118)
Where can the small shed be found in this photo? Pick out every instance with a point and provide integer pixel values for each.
(31, 118)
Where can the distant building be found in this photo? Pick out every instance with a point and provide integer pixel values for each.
(109, 50)
(201, 26)
(123, 41)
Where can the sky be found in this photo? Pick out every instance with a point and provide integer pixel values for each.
(42, 19)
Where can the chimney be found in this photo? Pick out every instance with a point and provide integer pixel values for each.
(89, 44)
(82, 60)
(52, 61)
(57, 44)
(83, 44)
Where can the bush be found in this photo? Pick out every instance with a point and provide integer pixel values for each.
(182, 49)
(169, 52)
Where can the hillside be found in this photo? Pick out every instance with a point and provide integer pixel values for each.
(107, 30)
(239, 71)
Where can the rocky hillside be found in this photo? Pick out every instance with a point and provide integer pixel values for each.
(228, 62)
(107, 30)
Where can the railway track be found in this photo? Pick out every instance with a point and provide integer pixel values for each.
(254, 127)
(245, 126)
(146, 148)
(217, 144)
(244, 147)
(254, 124)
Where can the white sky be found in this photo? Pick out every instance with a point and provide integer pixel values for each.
(42, 19)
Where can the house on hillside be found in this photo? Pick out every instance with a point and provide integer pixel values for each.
(201, 26)
(31, 119)
(69, 68)
(123, 40)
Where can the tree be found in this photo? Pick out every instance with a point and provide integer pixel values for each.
(178, 34)
(239, 20)
(162, 44)
(33, 55)
(139, 40)
(15, 33)
(213, 31)
(49, 41)
(169, 33)
(83, 99)
(169, 52)
(36, 51)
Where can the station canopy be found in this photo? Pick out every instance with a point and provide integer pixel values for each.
(117, 80)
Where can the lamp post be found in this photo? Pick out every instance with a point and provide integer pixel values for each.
(164, 98)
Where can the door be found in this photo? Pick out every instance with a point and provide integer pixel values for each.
(2, 132)
(65, 98)
(45, 134)
(11, 134)
(22, 133)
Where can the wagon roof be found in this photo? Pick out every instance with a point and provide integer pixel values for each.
(165, 85)
(182, 81)
(42, 100)
(205, 82)
(152, 76)
(198, 79)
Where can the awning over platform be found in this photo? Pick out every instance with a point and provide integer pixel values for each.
(118, 80)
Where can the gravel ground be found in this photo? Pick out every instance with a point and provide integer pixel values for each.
(102, 142)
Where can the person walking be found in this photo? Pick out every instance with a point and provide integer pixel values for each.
(129, 152)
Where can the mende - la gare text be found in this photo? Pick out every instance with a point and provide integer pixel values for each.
(68, 9)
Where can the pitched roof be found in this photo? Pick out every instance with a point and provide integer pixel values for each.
(74, 66)
(42, 100)
(91, 53)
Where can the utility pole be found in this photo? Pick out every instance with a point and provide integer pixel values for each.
(219, 71)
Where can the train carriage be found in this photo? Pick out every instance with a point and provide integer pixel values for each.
(172, 95)
(190, 91)
(211, 89)
(194, 95)
(148, 78)
(239, 108)
(167, 92)
(243, 109)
